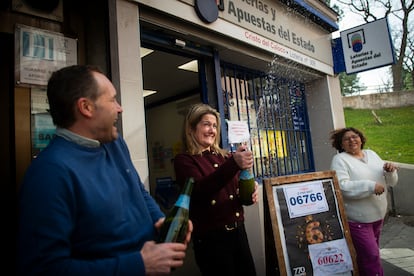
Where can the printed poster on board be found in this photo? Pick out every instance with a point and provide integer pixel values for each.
(309, 217)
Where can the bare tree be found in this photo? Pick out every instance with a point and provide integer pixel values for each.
(402, 33)
(350, 84)
(408, 63)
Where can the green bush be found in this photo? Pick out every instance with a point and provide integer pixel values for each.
(390, 132)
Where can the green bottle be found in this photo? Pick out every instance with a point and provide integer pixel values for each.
(246, 187)
(175, 226)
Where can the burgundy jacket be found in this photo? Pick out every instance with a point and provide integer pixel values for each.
(214, 199)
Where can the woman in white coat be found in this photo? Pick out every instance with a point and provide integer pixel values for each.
(363, 179)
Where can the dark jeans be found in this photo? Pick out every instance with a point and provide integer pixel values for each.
(224, 253)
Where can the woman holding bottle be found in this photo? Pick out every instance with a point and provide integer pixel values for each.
(220, 241)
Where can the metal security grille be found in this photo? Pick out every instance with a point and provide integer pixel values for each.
(275, 110)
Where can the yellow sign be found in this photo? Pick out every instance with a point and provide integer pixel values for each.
(272, 143)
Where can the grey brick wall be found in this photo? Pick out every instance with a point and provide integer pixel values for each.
(379, 100)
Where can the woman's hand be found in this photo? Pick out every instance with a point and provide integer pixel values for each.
(243, 157)
(389, 167)
(255, 195)
(379, 189)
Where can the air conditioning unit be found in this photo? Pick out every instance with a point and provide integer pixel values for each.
(50, 9)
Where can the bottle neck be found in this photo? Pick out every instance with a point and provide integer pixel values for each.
(188, 188)
(183, 200)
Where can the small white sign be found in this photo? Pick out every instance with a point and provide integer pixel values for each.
(367, 46)
(306, 198)
(42, 52)
(40, 103)
(238, 132)
(330, 258)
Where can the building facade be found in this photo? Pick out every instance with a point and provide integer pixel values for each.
(265, 62)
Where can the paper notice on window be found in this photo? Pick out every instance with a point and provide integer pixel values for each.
(238, 132)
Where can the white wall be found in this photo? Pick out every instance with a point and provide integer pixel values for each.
(254, 222)
(132, 101)
(379, 100)
(323, 98)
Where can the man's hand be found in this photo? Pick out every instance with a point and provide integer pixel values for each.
(189, 229)
(160, 258)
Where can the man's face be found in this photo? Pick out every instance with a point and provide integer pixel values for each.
(106, 110)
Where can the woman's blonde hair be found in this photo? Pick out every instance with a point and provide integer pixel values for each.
(193, 117)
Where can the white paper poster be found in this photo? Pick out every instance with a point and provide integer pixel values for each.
(238, 132)
(42, 52)
(304, 199)
(330, 258)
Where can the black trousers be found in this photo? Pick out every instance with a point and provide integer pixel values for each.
(224, 253)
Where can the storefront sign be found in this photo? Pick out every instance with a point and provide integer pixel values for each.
(267, 25)
(367, 46)
(268, 20)
(41, 52)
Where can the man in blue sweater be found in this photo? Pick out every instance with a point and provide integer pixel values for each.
(83, 208)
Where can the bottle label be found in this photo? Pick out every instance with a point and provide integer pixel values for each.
(245, 174)
(183, 201)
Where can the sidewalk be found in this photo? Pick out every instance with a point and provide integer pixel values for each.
(397, 246)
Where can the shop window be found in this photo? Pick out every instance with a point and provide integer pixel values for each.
(42, 127)
(275, 110)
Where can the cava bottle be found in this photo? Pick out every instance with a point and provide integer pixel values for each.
(175, 224)
(246, 187)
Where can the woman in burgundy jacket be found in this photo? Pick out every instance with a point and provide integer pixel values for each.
(220, 242)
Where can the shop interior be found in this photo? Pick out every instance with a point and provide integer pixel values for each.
(171, 84)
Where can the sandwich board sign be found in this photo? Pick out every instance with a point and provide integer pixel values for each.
(306, 228)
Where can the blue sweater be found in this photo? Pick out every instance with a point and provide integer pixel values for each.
(84, 211)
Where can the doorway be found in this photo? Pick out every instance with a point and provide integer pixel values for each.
(172, 81)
